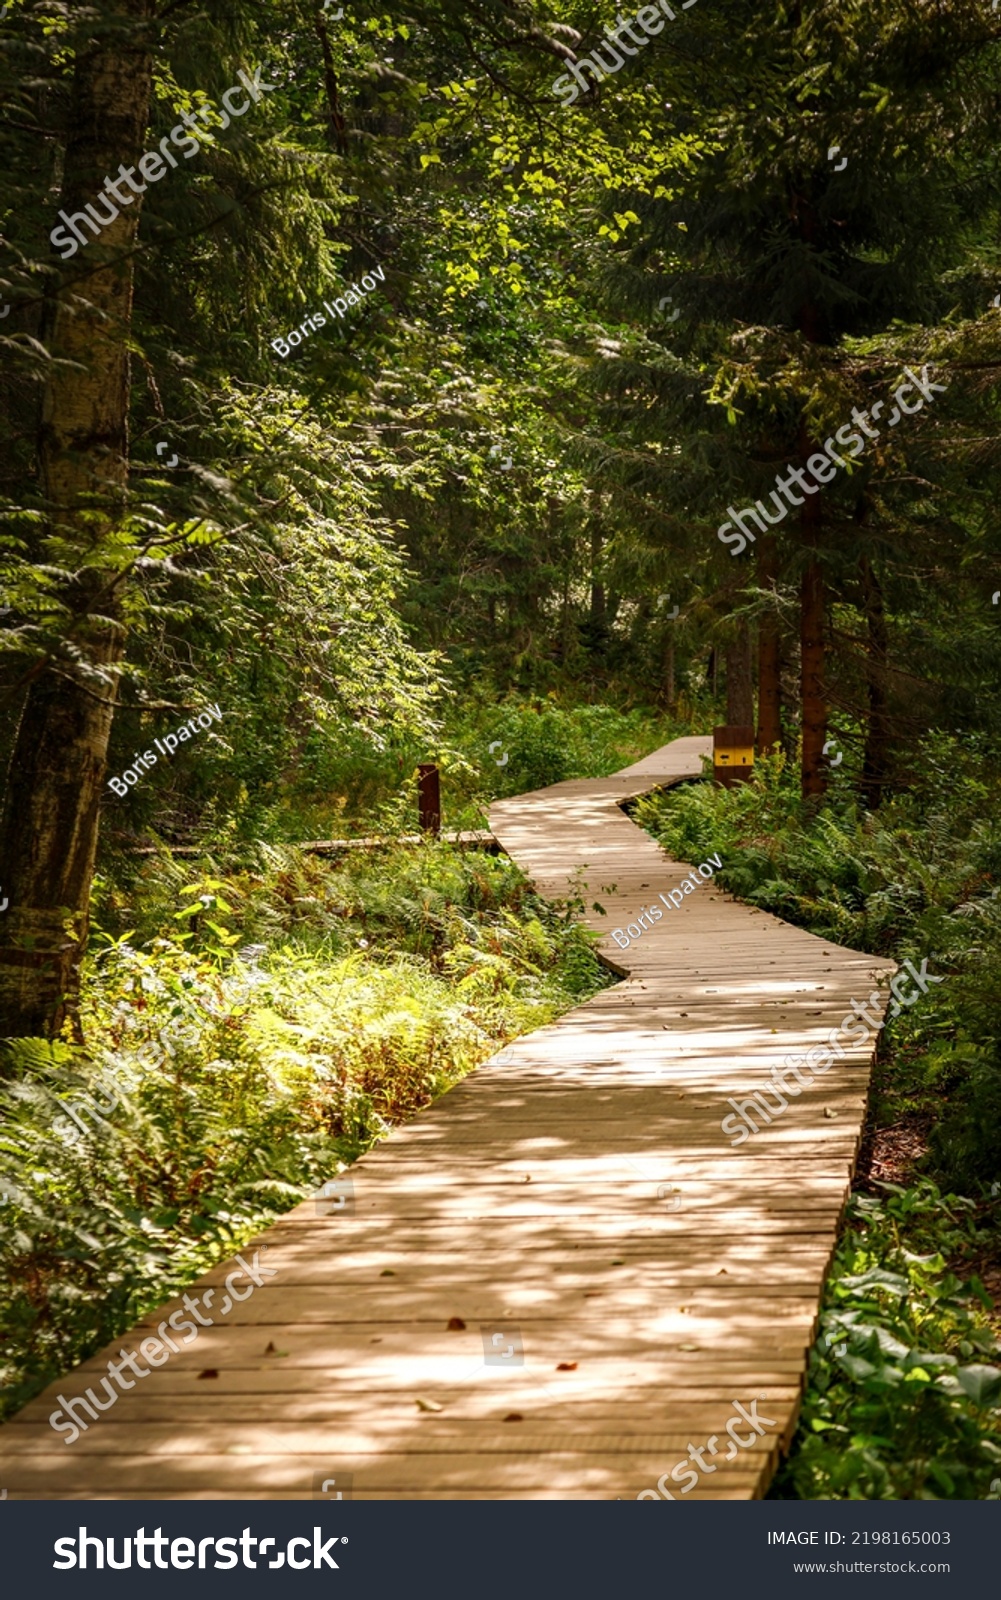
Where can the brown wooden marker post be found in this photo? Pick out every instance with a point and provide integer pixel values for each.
(429, 798)
(733, 754)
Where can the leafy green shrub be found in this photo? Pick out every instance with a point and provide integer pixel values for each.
(549, 743)
(343, 785)
(901, 1404)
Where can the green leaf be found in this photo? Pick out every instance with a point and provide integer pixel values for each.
(980, 1382)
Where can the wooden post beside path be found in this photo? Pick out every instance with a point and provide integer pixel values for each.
(429, 798)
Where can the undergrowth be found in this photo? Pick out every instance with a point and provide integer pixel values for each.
(902, 1401)
(347, 786)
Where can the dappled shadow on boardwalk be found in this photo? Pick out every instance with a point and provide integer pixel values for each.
(560, 1275)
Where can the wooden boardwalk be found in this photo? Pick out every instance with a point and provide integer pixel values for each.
(560, 1277)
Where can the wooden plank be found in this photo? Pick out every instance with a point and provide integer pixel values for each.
(475, 839)
(393, 1416)
(509, 1472)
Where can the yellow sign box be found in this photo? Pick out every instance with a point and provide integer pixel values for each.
(738, 756)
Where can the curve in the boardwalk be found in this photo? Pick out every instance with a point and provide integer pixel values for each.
(563, 1280)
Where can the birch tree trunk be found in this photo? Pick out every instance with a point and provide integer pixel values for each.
(48, 833)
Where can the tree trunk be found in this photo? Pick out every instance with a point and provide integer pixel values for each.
(877, 739)
(739, 679)
(814, 709)
(597, 587)
(769, 654)
(335, 115)
(48, 835)
(811, 638)
(668, 696)
(814, 324)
